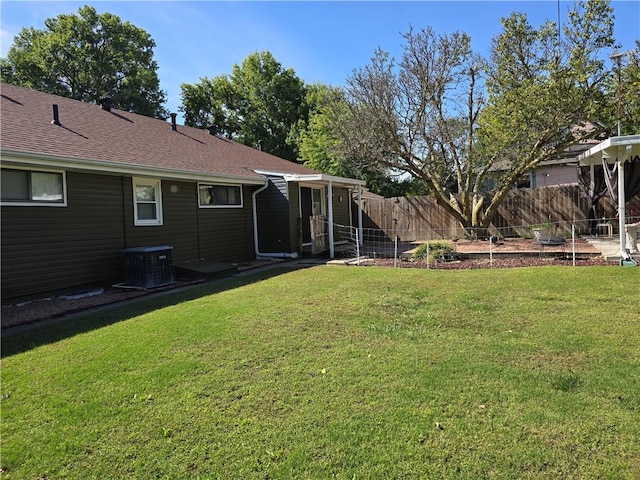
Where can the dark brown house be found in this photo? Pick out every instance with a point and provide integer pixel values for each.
(82, 183)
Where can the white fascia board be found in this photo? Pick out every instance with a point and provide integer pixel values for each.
(610, 145)
(343, 180)
(315, 178)
(10, 157)
(309, 178)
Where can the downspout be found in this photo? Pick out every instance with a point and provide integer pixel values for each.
(259, 254)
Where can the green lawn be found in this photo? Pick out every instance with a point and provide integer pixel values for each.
(329, 372)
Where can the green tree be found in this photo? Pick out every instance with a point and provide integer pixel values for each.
(319, 143)
(453, 120)
(546, 92)
(259, 101)
(419, 116)
(86, 57)
(321, 146)
(626, 67)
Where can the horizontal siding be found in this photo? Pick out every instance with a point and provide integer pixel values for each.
(556, 175)
(341, 208)
(180, 220)
(273, 218)
(295, 226)
(48, 250)
(341, 211)
(226, 234)
(55, 248)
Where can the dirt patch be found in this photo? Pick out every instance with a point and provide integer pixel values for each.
(523, 246)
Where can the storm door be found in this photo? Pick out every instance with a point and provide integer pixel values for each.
(314, 220)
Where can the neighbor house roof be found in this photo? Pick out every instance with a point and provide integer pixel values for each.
(90, 137)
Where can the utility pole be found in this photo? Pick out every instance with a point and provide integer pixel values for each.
(617, 56)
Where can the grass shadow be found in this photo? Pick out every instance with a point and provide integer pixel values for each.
(566, 382)
(25, 339)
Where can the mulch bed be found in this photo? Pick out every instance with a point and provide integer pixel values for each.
(475, 263)
(49, 308)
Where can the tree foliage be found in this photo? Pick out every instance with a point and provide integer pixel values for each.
(321, 146)
(259, 101)
(453, 120)
(419, 116)
(88, 56)
(546, 92)
(627, 73)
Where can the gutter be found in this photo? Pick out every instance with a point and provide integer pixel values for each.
(259, 254)
(13, 157)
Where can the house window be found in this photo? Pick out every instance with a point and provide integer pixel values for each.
(210, 195)
(147, 201)
(31, 187)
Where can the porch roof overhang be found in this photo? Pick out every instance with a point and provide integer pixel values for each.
(625, 147)
(331, 182)
(615, 150)
(318, 178)
(322, 178)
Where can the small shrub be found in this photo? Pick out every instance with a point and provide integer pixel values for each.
(437, 251)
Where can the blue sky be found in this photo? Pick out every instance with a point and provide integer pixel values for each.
(322, 41)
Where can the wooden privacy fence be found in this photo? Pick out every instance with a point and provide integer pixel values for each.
(415, 218)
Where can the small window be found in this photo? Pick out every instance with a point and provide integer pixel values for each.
(524, 181)
(219, 195)
(147, 202)
(31, 187)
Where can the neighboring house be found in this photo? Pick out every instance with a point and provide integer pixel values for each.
(81, 183)
(562, 170)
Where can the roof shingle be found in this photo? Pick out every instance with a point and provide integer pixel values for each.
(89, 133)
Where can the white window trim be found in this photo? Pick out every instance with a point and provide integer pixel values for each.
(157, 184)
(34, 203)
(221, 185)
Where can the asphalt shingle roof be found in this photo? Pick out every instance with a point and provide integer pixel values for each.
(89, 133)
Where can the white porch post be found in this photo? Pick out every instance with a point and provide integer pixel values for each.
(330, 226)
(621, 206)
(360, 234)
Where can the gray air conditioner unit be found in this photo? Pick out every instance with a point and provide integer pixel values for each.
(148, 267)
